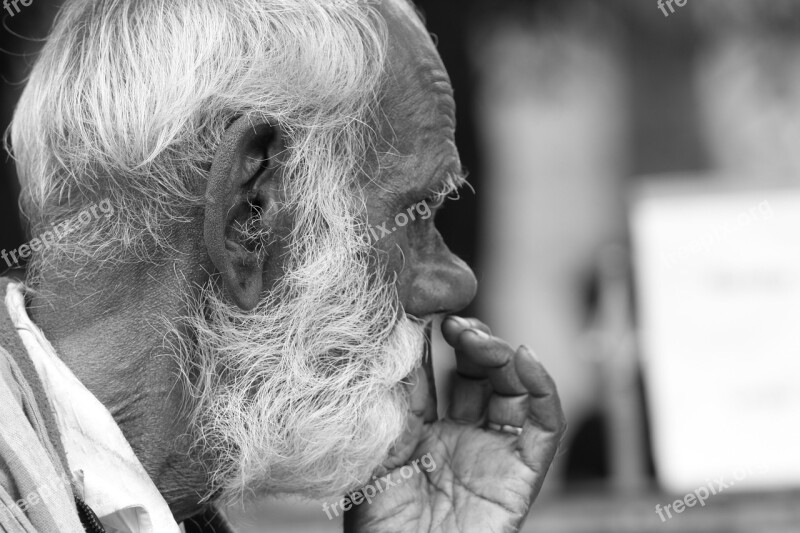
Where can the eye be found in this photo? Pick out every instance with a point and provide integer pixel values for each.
(436, 200)
(431, 203)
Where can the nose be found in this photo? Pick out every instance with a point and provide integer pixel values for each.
(439, 282)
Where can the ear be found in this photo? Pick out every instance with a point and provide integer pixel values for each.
(243, 192)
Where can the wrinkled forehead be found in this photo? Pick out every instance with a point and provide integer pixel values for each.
(415, 72)
(417, 96)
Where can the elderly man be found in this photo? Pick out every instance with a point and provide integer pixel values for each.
(223, 302)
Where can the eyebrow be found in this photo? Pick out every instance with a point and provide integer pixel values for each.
(447, 184)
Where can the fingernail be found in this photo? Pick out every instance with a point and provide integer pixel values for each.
(458, 320)
(480, 333)
(528, 351)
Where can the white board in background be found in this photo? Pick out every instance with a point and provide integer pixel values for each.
(718, 289)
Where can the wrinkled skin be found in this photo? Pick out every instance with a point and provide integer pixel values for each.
(485, 479)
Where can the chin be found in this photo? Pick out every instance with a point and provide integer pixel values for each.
(289, 402)
(326, 461)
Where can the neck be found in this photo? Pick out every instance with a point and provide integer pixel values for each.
(109, 328)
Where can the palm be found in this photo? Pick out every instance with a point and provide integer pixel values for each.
(483, 480)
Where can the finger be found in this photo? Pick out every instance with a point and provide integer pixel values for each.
(545, 422)
(468, 399)
(478, 352)
(510, 403)
(453, 325)
(505, 380)
(533, 374)
(508, 410)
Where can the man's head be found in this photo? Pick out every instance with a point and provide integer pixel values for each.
(247, 146)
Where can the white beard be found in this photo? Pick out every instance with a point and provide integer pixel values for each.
(304, 394)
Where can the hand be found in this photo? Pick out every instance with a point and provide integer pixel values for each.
(471, 471)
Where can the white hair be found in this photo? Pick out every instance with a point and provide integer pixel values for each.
(307, 393)
(128, 102)
(129, 99)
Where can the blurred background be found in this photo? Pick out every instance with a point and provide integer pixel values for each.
(635, 220)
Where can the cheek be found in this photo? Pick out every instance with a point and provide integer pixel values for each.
(408, 245)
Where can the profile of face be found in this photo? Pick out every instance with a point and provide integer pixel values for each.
(307, 392)
(299, 352)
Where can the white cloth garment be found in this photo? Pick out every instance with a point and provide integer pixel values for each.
(115, 484)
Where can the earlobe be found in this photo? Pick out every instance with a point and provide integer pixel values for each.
(241, 190)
